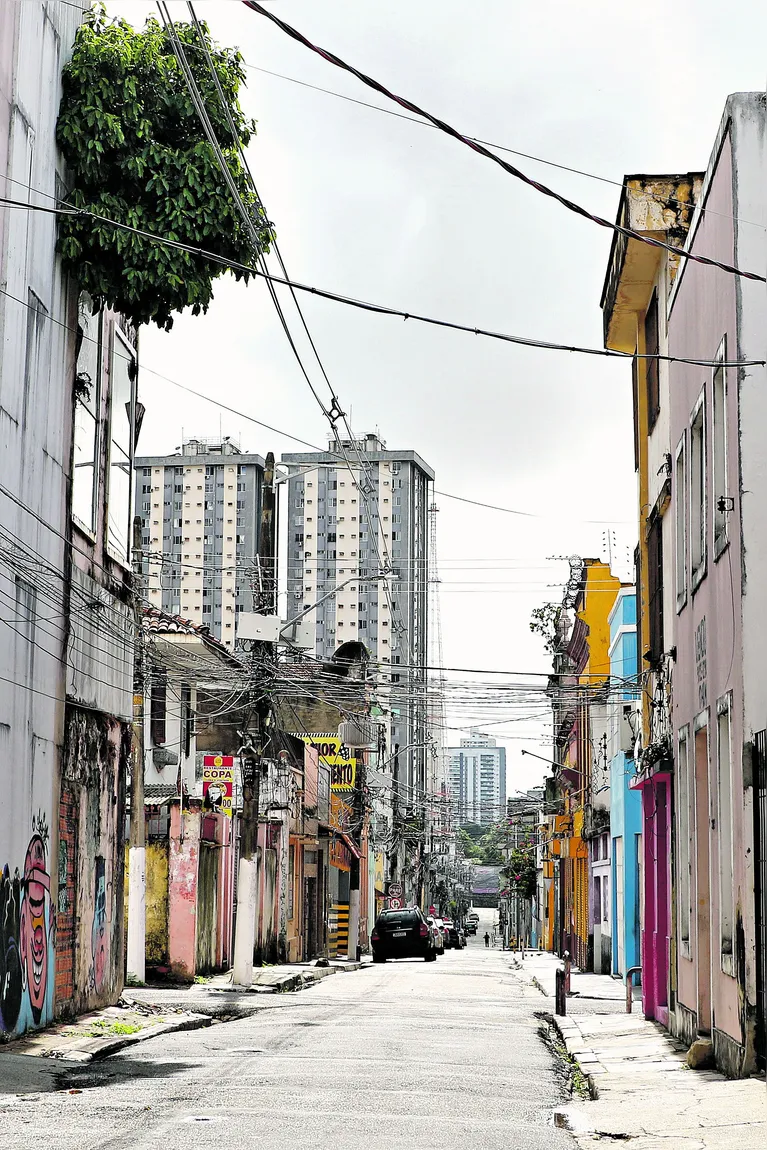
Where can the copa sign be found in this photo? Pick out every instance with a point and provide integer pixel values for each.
(336, 756)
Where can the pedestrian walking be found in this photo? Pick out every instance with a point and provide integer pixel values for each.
(487, 939)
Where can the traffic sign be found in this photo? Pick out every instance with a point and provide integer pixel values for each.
(395, 903)
(394, 889)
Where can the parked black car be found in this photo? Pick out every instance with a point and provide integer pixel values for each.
(455, 936)
(402, 934)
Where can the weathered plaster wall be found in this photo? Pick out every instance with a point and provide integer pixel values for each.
(35, 439)
(93, 797)
(182, 884)
(708, 632)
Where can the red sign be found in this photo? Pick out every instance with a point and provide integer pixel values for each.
(218, 784)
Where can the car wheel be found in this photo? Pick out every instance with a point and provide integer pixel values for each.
(430, 957)
(378, 958)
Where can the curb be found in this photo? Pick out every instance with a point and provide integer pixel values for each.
(109, 1046)
(566, 1030)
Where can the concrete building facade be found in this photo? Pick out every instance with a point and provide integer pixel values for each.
(354, 512)
(477, 779)
(200, 513)
(67, 430)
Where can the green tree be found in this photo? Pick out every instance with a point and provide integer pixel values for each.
(137, 154)
(543, 622)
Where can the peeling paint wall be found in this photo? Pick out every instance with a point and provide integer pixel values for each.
(89, 954)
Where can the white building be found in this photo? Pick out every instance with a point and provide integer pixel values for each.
(200, 513)
(477, 770)
(354, 512)
(67, 422)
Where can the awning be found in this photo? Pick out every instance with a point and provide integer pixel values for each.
(349, 842)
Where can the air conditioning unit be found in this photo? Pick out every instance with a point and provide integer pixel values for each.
(359, 733)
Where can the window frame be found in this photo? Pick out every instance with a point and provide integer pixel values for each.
(652, 366)
(720, 458)
(698, 531)
(118, 338)
(98, 430)
(681, 540)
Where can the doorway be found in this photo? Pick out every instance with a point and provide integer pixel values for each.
(702, 881)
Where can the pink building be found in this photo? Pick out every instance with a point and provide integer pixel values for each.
(717, 571)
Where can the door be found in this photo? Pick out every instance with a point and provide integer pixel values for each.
(66, 917)
(207, 908)
(620, 909)
(760, 867)
(702, 881)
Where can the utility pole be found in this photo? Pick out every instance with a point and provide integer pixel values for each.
(250, 753)
(136, 944)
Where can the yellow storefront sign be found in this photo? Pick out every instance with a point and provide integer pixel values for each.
(336, 756)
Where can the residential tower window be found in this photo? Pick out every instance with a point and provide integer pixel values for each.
(655, 588)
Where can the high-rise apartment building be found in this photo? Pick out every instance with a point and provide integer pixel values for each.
(355, 512)
(477, 771)
(200, 511)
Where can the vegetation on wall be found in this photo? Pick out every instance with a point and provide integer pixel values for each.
(136, 153)
(543, 622)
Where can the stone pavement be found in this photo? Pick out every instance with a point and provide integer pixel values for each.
(642, 1088)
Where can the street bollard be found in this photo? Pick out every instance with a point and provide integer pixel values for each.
(560, 994)
(568, 964)
(632, 970)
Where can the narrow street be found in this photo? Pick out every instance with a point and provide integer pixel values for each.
(407, 1054)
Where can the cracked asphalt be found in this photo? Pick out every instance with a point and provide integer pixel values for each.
(408, 1054)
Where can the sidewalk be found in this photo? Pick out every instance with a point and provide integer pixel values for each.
(642, 1088)
(103, 1032)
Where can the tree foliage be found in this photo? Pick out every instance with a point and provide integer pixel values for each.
(137, 154)
(520, 872)
(543, 621)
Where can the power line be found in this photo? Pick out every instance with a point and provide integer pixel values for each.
(382, 309)
(476, 146)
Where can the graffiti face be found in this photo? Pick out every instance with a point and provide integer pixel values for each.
(99, 932)
(27, 927)
(34, 925)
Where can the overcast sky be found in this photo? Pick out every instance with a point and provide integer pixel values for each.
(372, 206)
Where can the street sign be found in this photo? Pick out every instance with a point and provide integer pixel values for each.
(394, 890)
(218, 784)
(395, 903)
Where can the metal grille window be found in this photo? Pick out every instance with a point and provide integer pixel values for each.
(655, 588)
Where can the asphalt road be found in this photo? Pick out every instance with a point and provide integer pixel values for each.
(427, 1056)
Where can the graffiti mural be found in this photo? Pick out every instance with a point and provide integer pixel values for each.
(27, 938)
(99, 940)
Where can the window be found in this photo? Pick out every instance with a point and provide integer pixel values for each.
(719, 444)
(655, 588)
(87, 405)
(120, 448)
(724, 827)
(157, 708)
(187, 720)
(680, 522)
(651, 365)
(698, 491)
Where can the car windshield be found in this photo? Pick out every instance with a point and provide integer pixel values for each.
(398, 918)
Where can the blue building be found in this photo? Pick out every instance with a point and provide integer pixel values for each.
(625, 804)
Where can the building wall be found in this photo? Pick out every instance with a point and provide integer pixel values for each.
(200, 513)
(708, 639)
(35, 442)
(347, 520)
